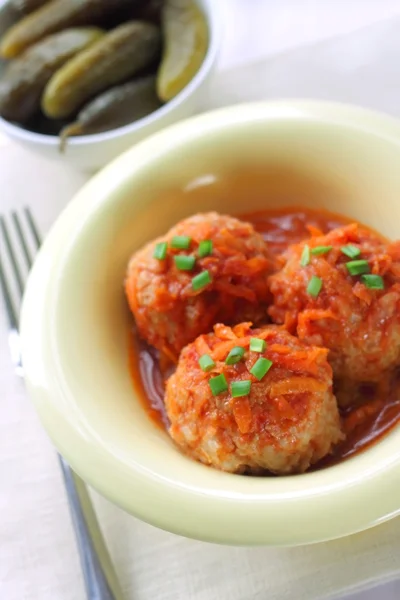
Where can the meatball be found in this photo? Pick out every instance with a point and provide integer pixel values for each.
(287, 420)
(172, 306)
(356, 311)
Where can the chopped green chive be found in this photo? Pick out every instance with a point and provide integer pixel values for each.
(206, 362)
(351, 251)
(160, 251)
(201, 280)
(235, 355)
(182, 242)
(205, 248)
(374, 282)
(305, 256)
(314, 286)
(321, 250)
(357, 267)
(218, 384)
(257, 345)
(261, 368)
(240, 388)
(184, 263)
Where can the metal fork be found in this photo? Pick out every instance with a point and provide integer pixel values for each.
(98, 572)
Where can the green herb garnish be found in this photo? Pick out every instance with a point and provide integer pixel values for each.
(205, 248)
(257, 345)
(184, 263)
(206, 362)
(201, 280)
(373, 282)
(235, 355)
(261, 368)
(351, 251)
(314, 286)
(357, 267)
(160, 251)
(181, 242)
(321, 250)
(218, 384)
(305, 256)
(240, 388)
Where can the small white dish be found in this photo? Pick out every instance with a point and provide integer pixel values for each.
(90, 152)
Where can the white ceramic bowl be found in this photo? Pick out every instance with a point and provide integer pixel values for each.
(75, 321)
(90, 152)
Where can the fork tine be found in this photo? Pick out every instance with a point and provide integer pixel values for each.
(24, 246)
(33, 227)
(16, 242)
(11, 313)
(11, 253)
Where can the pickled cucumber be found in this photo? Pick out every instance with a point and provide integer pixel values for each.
(55, 16)
(185, 46)
(27, 6)
(114, 108)
(118, 56)
(22, 85)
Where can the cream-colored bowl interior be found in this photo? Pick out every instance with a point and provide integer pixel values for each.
(75, 325)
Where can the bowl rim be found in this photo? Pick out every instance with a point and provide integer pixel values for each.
(330, 493)
(214, 15)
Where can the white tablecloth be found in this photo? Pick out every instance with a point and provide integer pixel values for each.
(344, 49)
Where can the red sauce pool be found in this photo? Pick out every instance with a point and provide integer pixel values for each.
(364, 425)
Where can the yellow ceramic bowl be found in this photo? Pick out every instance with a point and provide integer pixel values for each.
(75, 322)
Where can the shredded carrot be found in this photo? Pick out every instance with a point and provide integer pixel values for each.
(222, 350)
(316, 353)
(314, 231)
(242, 413)
(302, 361)
(284, 407)
(395, 270)
(290, 321)
(296, 385)
(242, 329)
(280, 349)
(201, 345)
(381, 264)
(363, 293)
(224, 332)
(257, 264)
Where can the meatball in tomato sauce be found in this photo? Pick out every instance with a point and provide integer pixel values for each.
(253, 400)
(206, 269)
(342, 291)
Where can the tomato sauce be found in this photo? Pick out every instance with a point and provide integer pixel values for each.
(375, 410)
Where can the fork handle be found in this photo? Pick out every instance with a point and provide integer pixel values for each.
(100, 580)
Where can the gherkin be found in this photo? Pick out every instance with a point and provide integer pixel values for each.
(185, 46)
(55, 16)
(114, 108)
(24, 80)
(115, 58)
